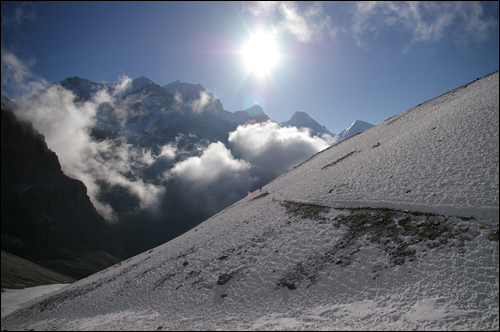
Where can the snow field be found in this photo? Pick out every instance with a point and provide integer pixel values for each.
(13, 299)
(170, 293)
(441, 156)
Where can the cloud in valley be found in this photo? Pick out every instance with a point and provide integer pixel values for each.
(215, 162)
(66, 126)
(272, 149)
(257, 154)
(211, 181)
(199, 181)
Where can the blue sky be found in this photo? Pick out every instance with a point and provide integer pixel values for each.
(339, 61)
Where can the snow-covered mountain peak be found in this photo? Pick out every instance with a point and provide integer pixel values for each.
(254, 110)
(355, 128)
(300, 119)
(85, 88)
(182, 88)
(252, 114)
(139, 82)
(303, 120)
(81, 86)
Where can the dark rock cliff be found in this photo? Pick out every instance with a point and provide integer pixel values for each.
(47, 217)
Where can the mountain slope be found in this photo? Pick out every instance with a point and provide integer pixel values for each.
(395, 228)
(18, 273)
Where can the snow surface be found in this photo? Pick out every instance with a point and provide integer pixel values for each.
(319, 249)
(13, 299)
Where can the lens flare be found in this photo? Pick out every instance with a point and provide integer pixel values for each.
(261, 53)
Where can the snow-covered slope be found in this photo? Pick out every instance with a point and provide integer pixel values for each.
(395, 228)
(355, 128)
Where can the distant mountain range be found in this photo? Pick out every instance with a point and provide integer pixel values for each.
(156, 100)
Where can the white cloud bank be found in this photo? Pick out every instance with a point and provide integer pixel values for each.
(257, 154)
(273, 149)
(66, 126)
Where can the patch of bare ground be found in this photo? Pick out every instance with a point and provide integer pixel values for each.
(395, 233)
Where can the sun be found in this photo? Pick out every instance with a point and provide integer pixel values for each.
(260, 53)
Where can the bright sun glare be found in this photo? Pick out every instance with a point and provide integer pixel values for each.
(260, 53)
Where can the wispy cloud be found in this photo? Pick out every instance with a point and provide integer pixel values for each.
(203, 101)
(18, 81)
(366, 21)
(425, 21)
(25, 11)
(309, 24)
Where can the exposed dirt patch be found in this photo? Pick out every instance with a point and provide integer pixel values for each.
(340, 159)
(305, 210)
(260, 196)
(394, 232)
(494, 235)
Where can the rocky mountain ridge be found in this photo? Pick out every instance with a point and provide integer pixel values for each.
(147, 96)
